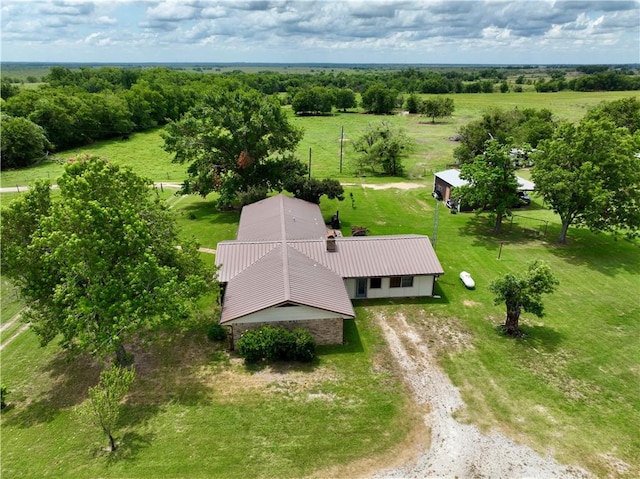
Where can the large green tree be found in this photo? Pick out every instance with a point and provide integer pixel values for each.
(344, 98)
(516, 128)
(23, 142)
(311, 189)
(382, 147)
(523, 292)
(232, 141)
(623, 112)
(98, 263)
(315, 101)
(492, 182)
(436, 107)
(379, 99)
(589, 174)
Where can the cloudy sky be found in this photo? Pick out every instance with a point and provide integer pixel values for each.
(335, 31)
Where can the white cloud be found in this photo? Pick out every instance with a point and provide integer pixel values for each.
(106, 20)
(421, 31)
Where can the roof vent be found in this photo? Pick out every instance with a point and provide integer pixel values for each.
(331, 242)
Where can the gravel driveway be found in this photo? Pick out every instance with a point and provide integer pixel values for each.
(457, 450)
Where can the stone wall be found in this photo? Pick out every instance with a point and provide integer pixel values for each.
(324, 331)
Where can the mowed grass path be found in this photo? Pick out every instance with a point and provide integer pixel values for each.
(569, 389)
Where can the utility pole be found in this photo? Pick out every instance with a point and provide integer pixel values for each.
(341, 141)
(309, 163)
(434, 236)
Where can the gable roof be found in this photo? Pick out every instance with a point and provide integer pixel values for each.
(355, 256)
(281, 276)
(280, 257)
(280, 217)
(452, 177)
(372, 256)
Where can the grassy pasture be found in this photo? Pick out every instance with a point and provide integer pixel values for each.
(570, 388)
(144, 151)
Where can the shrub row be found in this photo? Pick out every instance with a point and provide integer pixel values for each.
(272, 344)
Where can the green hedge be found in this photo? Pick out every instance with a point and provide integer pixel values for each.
(276, 344)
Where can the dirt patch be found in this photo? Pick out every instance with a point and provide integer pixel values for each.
(617, 467)
(443, 335)
(470, 304)
(457, 450)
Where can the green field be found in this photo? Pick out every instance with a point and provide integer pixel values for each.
(569, 388)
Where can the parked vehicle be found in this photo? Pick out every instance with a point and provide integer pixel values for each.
(523, 198)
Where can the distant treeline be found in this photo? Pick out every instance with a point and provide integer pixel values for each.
(81, 105)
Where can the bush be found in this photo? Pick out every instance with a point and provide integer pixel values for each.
(217, 332)
(3, 396)
(273, 344)
(305, 345)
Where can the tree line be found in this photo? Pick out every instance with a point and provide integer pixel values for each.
(78, 106)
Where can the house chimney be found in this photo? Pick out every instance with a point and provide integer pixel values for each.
(331, 242)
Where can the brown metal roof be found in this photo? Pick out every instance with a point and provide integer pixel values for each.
(281, 257)
(367, 256)
(355, 256)
(281, 217)
(234, 257)
(282, 276)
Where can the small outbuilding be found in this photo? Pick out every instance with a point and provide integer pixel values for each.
(445, 181)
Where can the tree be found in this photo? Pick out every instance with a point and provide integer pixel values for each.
(230, 141)
(344, 98)
(523, 292)
(412, 104)
(105, 399)
(590, 176)
(623, 112)
(437, 107)
(382, 147)
(23, 142)
(311, 189)
(98, 262)
(508, 127)
(493, 184)
(317, 100)
(379, 99)
(8, 89)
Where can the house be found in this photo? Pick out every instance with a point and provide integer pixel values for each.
(285, 268)
(445, 181)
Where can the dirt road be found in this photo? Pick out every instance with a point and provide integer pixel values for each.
(457, 450)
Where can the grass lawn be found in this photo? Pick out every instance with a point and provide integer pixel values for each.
(569, 388)
(196, 412)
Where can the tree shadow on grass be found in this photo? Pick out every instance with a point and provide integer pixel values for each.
(71, 376)
(480, 228)
(208, 211)
(537, 337)
(166, 371)
(130, 446)
(602, 252)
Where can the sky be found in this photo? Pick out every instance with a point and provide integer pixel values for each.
(519, 32)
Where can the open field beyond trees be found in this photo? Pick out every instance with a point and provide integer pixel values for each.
(568, 389)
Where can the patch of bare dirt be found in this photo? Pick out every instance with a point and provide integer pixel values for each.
(617, 467)
(443, 335)
(457, 450)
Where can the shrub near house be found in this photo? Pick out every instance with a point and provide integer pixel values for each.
(273, 344)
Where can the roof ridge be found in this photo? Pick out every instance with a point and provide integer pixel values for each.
(285, 271)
